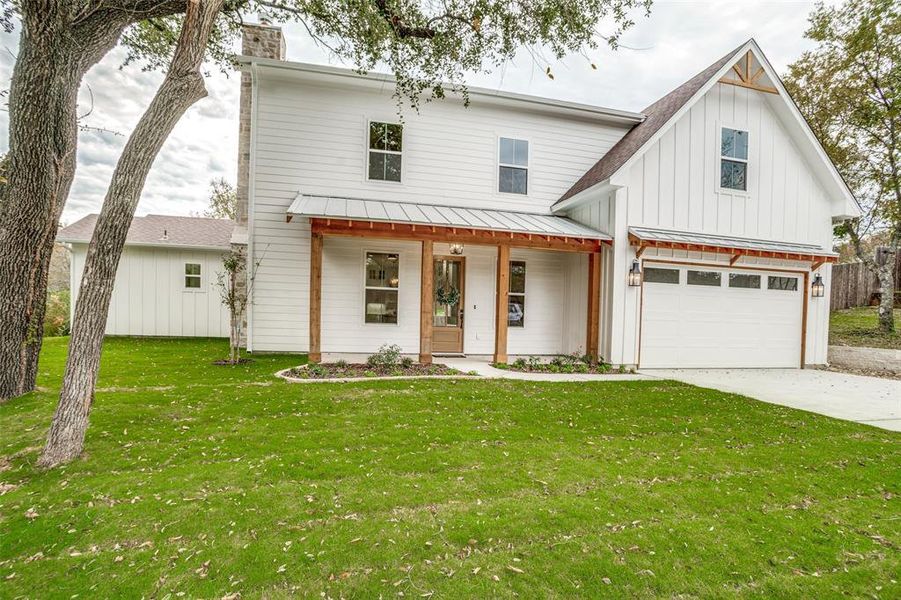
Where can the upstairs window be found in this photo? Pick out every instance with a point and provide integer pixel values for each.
(513, 166)
(734, 159)
(516, 297)
(385, 144)
(192, 276)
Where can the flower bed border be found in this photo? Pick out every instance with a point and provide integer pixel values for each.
(285, 375)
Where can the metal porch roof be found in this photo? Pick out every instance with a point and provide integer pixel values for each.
(357, 209)
(669, 236)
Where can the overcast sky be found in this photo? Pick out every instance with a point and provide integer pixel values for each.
(679, 39)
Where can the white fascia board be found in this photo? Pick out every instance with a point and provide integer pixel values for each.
(153, 245)
(586, 195)
(323, 72)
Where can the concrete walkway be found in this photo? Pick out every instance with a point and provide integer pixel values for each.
(484, 369)
(869, 400)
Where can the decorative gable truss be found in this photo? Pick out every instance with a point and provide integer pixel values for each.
(749, 73)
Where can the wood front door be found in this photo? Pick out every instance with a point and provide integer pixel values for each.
(447, 309)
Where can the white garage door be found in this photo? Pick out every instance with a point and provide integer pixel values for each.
(699, 317)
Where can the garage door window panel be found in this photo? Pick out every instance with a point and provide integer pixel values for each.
(656, 275)
(744, 280)
(705, 278)
(784, 284)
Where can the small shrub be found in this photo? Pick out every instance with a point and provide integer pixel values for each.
(580, 368)
(622, 369)
(397, 372)
(317, 371)
(341, 364)
(386, 357)
(520, 363)
(534, 362)
(501, 366)
(406, 362)
(369, 373)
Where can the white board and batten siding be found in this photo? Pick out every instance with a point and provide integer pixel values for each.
(149, 295)
(674, 184)
(310, 136)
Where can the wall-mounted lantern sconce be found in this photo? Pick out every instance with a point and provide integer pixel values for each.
(817, 288)
(635, 274)
(456, 248)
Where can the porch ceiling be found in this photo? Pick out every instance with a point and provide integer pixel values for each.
(438, 216)
(646, 237)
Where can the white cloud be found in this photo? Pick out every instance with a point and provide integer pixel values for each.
(677, 41)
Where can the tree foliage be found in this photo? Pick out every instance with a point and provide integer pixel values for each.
(223, 200)
(424, 43)
(848, 89)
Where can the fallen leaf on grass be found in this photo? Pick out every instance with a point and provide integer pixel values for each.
(514, 569)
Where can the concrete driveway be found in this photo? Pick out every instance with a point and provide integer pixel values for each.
(869, 400)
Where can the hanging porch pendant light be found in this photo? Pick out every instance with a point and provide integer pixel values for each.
(456, 248)
(635, 274)
(818, 288)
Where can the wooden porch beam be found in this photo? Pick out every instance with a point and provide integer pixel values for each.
(734, 259)
(592, 338)
(427, 273)
(401, 231)
(502, 299)
(315, 355)
(735, 252)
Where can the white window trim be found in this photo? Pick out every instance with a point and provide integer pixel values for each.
(720, 158)
(524, 293)
(390, 289)
(366, 150)
(499, 164)
(184, 275)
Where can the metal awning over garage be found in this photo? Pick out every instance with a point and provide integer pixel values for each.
(646, 237)
(426, 218)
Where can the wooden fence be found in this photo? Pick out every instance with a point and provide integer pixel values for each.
(854, 285)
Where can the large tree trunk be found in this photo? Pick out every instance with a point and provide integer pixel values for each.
(53, 57)
(885, 273)
(181, 88)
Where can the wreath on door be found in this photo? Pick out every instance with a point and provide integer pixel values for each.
(447, 293)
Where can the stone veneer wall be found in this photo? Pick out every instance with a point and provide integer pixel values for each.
(263, 41)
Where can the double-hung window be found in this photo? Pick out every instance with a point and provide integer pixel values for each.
(516, 296)
(382, 279)
(192, 276)
(385, 145)
(734, 159)
(513, 166)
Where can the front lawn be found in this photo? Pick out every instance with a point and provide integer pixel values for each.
(859, 327)
(203, 481)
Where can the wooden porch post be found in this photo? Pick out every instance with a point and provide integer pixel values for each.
(315, 355)
(503, 289)
(592, 338)
(427, 272)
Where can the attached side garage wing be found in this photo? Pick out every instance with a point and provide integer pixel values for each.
(703, 315)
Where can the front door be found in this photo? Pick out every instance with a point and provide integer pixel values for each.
(447, 310)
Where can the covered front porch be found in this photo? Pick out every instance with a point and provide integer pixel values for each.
(438, 280)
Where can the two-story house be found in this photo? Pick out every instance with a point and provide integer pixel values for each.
(696, 233)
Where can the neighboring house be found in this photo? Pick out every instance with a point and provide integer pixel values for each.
(165, 280)
(690, 234)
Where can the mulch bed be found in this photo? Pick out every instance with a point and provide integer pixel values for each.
(549, 368)
(364, 371)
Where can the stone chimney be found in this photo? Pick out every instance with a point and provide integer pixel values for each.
(264, 41)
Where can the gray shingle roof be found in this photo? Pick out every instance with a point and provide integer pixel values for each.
(160, 230)
(308, 205)
(656, 116)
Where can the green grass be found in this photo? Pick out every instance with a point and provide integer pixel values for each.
(454, 489)
(859, 327)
